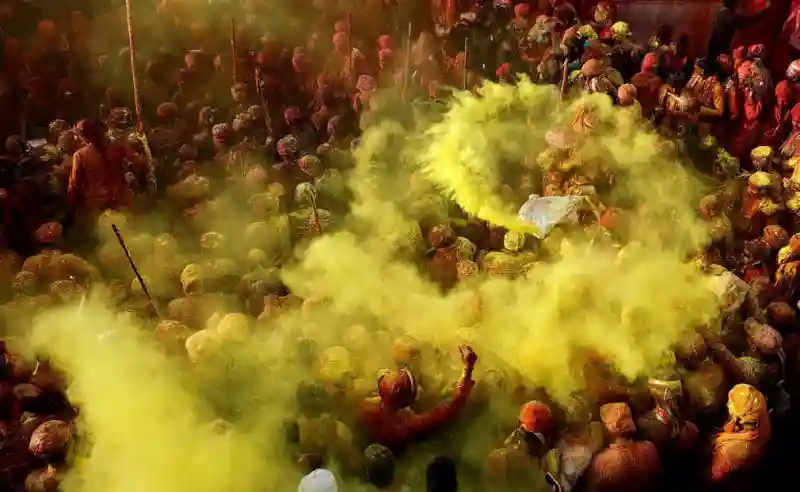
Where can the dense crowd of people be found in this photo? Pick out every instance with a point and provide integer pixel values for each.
(237, 150)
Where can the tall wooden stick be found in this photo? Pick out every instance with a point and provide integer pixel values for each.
(134, 77)
(152, 185)
(259, 87)
(135, 270)
(564, 75)
(234, 51)
(466, 60)
(407, 67)
(350, 66)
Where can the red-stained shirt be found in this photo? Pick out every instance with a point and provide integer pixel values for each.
(395, 429)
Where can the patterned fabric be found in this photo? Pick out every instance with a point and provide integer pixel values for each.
(743, 442)
(288, 147)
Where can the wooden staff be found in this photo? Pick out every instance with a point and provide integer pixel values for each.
(262, 96)
(233, 49)
(134, 77)
(466, 60)
(135, 270)
(564, 76)
(136, 95)
(350, 44)
(407, 66)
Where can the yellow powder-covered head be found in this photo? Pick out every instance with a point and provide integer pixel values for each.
(760, 180)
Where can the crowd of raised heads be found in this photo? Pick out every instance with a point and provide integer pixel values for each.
(246, 245)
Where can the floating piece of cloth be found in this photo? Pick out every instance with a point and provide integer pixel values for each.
(546, 212)
(730, 289)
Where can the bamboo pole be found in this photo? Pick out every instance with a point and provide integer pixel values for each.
(407, 66)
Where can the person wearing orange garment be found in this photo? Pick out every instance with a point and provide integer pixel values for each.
(742, 444)
(98, 179)
(388, 419)
(625, 464)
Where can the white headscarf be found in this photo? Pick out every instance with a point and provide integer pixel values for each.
(319, 480)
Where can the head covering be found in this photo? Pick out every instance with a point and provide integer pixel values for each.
(617, 419)
(764, 338)
(665, 386)
(319, 480)
(761, 152)
(503, 70)
(404, 350)
(234, 327)
(746, 403)
(756, 50)
(49, 438)
(49, 233)
(379, 465)
(288, 147)
(398, 389)
(309, 163)
(650, 62)
(627, 92)
(191, 276)
(781, 314)
(620, 30)
(441, 235)
(386, 42)
(793, 71)
(465, 249)
(222, 131)
(759, 180)
(592, 68)
(170, 332)
(775, 236)
(366, 83)
(167, 111)
(586, 31)
(210, 241)
(201, 344)
(535, 417)
(522, 10)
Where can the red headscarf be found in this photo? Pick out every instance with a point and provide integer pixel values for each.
(399, 389)
(535, 417)
(386, 42)
(617, 419)
(522, 10)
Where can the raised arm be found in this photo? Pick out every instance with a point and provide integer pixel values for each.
(444, 412)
